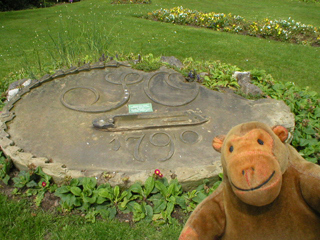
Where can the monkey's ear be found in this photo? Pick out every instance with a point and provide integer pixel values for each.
(218, 142)
(281, 132)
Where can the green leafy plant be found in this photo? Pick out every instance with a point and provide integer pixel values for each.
(306, 108)
(148, 63)
(33, 183)
(5, 167)
(155, 200)
(212, 74)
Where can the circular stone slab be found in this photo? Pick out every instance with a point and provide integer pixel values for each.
(113, 120)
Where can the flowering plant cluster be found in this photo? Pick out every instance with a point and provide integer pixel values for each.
(130, 1)
(286, 30)
(183, 16)
(281, 30)
(158, 173)
(36, 182)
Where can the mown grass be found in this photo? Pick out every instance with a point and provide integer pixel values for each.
(18, 220)
(30, 39)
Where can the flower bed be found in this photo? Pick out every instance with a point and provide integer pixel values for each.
(281, 30)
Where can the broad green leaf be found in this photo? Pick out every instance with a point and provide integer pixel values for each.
(138, 212)
(103, 192)
(104, 213)
(63, 189)
(87, 192)
(105, 185)
(220, 176)
(112, 212)
(216, 185)
(317, 112)
(157, 216)
(162, 188)
(101, 200)
(74, 182)
(116, 191)
(75, 191)
(199, 198)
(149, 213)
(308, 142)
(6, 179)
(90, 200)
(39, 198)
(123, 195)
(170, 190)
(170, 207)
(156, 197)
(181, 202)
(136, 188)
(172, 199)
(159, 206)
(149, 185)
(313, 160)
(32, 184)
(309, 130)
(123, 204)
(164, 181)
(91, 216)
(89, 183)
(70, 200)
(84, 206)
(31, 192)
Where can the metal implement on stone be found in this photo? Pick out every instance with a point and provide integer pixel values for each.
(110, 118)
(127, 122)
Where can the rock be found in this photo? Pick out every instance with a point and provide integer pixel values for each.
(15, 87)
(55, 121)
(244, 80)
(12, 93)
(172, 61)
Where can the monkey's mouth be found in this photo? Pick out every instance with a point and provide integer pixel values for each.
(257, 187)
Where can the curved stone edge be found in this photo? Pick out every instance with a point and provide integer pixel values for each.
(283, 116)
(188, 177)
(25, 88)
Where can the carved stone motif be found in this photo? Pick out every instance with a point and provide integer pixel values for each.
(112, 118)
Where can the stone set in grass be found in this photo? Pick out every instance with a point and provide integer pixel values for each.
(280, 30)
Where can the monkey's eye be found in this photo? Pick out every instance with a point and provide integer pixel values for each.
(260, 142)
(231, 149)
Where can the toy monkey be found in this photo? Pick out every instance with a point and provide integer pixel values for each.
(269, 192)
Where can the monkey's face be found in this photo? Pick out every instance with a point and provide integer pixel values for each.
(251, 167)
(253, 171)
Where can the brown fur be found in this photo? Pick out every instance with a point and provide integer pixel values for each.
(286, 206)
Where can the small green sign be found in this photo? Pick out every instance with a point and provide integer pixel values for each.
(140, 108)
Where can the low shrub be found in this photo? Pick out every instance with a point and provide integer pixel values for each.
(7, 5)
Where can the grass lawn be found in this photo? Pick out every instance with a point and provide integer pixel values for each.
(42, 39)
(34, 42)
(19, 220)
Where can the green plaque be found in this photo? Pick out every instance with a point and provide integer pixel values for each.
(140, 108)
